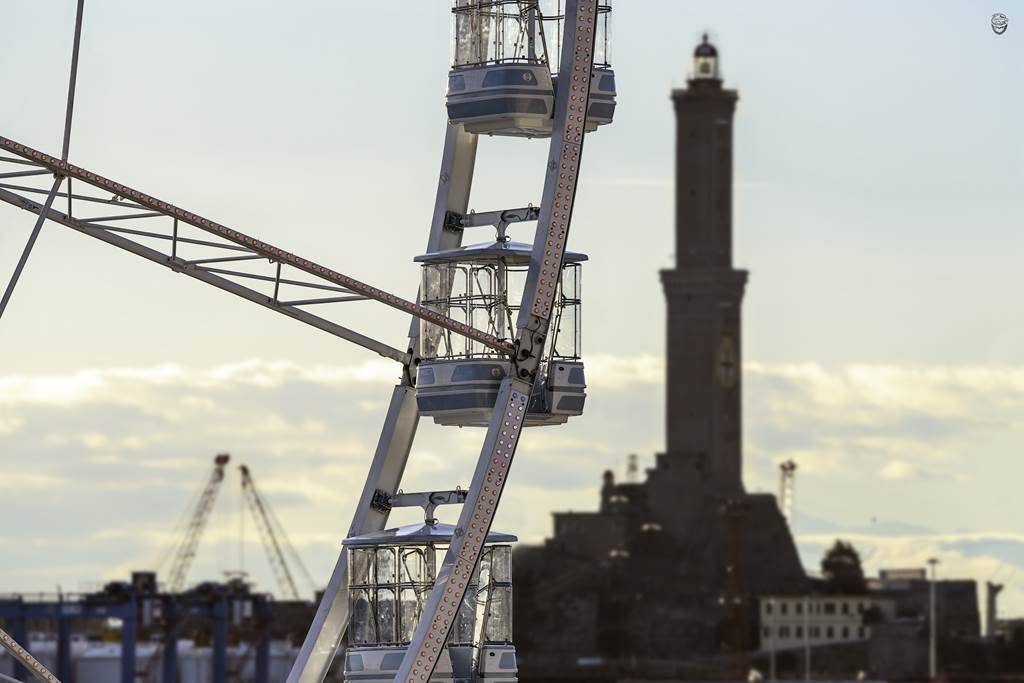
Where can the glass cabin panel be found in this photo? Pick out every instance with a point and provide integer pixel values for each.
(435, 289)
(553, 18)
(515, 284)
(386, 568)
(564, 338)
(411, 600)
(463, 629)
(471, 33)
(476, 294)
(363, 628)
(603, 41)
(386, 616)
(501, 564)
(413, 566)
(361, 566)
(493, 32)
(553, 13)
(444, 289)
(498, 628)
(487, 302)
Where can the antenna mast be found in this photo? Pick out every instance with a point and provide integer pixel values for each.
(787, 483)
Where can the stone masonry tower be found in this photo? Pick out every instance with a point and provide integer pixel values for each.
(704, 292)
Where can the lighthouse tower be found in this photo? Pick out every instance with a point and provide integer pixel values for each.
(704, 292)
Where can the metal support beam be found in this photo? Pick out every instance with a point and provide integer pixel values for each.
(499, 218)
(220, 639)
(428, 500)
(325, 633)
(20, 630)
(169, 665)
(69, 112)
(328, 627)
(262, 664)
(22, 656)
(64, 156)
(180, 265)
(564, 156)
(129, 637)
(45, 208)
(64, 647)
(271, 252)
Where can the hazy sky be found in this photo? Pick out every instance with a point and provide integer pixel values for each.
(879, 161)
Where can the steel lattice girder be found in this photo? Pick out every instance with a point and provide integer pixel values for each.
(150, 209)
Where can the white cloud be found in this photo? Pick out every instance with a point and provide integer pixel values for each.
(613, 372)
(871, 390)
(899, 470)
(31, 482)
(116, 453)
(9, 425)
(125, 385)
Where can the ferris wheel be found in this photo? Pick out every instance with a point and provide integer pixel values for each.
(493, 341)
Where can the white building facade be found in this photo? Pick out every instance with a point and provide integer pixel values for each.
(789, 622)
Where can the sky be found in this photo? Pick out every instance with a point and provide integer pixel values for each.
(879, 161)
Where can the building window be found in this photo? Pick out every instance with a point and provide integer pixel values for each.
(799, 608)
(815, 632)
(846, 633)
(846, 608)
(861, 633)
(829, 633)
(768, 607)
(830, 608)
(784, 608)
(783, 632)
(799, 632)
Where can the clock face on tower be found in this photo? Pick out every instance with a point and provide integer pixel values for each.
(727, 370)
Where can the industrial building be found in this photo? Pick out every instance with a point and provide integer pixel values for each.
(132, 631)
(148, 631)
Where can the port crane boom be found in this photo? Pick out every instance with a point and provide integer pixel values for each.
(272, 543)
(186, 551)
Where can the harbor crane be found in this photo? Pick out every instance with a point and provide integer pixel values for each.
(186, 549)
(274, 539)
(493, 341)
(272, 534)
(787, 486)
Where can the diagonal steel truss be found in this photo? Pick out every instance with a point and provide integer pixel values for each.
(235, 262)
(161, 232)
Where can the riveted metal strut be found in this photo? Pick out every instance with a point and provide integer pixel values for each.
(510, 409)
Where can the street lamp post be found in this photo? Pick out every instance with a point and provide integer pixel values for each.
(807, 639)
(932, 646)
